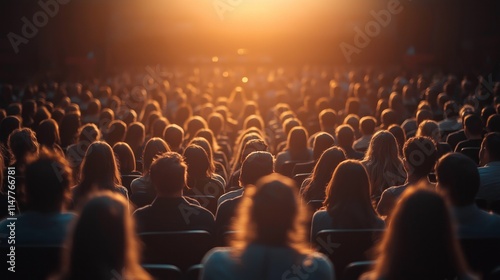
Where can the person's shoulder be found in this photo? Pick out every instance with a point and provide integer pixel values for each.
(319, 265)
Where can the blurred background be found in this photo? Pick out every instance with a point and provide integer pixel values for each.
(98, 37)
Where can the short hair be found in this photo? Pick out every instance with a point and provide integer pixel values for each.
(48, 181)
(421, 154)
(345, 135)
(457, 174)
(255, 166)
(451, 109)
(493, 123)
(388, 117)
(328, 118)
(423, 115)
(473, 124)
(367, 125)
(491, 143)
(168, 173)
(173, 135)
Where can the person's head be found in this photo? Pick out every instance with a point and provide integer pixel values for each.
(290, 123)
(208, 135)
(345, 136)
(490, 148)
(158, 127)
(99, 169)
(493, 123)
(323, 170)
(168, 174)
(22, 145)
(125, 158)
(426, 247)
(297, 141)
(327, 120)
(216, 123)
(458, 178)
(154, 147)
(94, 107)
(451, 109)
(385, 165)
(202, 142)
(271, 214)
(322, 141)
(420, 155)
(423, 115)
(116, 132)
(253, 145)
(192, 126)
(253, 121)
(429, 128)
(388, 117)
(8, 124)
(367, 125)
(173, 135)
(255, 166)
(47, 133)
(89, 133)
(399, 134)
(473, 126)
(69, 129)
(136, 133)
(105, 226)
(197, 161)
(47, 182)
(41, 114)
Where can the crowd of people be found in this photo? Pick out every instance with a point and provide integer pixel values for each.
(274, 159)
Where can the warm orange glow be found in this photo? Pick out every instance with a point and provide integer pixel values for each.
(215, 59)
(244, 80)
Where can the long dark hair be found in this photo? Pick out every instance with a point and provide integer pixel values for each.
(348, 197)
(420, 242)
(322, 173)
(99, 169)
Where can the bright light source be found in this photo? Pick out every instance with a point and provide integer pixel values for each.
(225, 74)
(242, 51)
(244, 80)
(215, 59)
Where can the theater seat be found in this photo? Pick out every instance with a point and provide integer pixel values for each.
(346, 246)
(180, 248)
(164, 271)
(354, 270)
(194, 272)
(207, 201)
(482, 254)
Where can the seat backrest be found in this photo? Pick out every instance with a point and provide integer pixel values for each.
(287, 168)
(164, 271)
(314, 205)
(299, 178)
(194, 272)
(471, 152)
(354, 270)
(207, 201)
(31, 262)
(303, 167)
(180, 248)
(482, 254)
(346, 246)
(142, 198)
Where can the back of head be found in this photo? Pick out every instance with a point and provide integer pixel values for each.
(216, 123)
(116, 132)
(322, 141)
(47, 183)
(197, 161)
(493, 123)
(154, 147)
(388, 117)
(429, 128)
(458, 176)
(125, 157)
(105, 226)
(173, 135)
(270, 214)
(490, 148)
(8, 124)
(255, 166)
(48, 133)
(99, 168)
(327, 119)
(451, 109)
(398, 133)
(297, 140)
(426, 246)
(345, 136)
(168, 174)
(420, 155)
(423, 115)
(22, 144)
(367, 125)
(473, 125)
